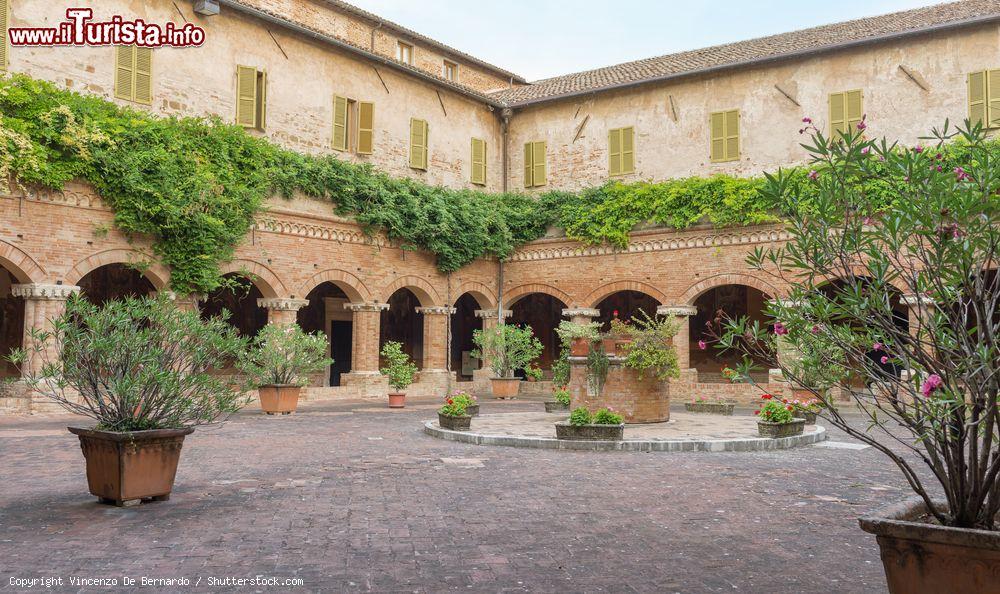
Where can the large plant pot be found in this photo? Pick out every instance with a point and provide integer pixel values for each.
(715, 408)
(926, 558)
(553, 406)
(397, 399)
(776, 430)
(809, 416)
(279, 399)
(505, 387)
(608, 343)
(579, 347)
(472, 410)
(455, 423)
(125, 468)
(565, 430)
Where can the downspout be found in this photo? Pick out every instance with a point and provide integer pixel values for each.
(371, 48)
(505, 115)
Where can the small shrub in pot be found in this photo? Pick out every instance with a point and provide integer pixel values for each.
(560, 400)
(454, 415)
(279, 363)
(399, 370)
(507, 348)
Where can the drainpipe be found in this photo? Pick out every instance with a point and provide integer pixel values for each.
(505, 115)
(374, 29)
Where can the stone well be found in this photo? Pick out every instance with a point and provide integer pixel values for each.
(639, 400)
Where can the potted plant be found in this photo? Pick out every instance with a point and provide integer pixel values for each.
(560, 401)
(603, 425)
(453, 415)
(578, 337)
(775, 419)
(806, 409)
(142, 369)
(470, 402)
(533, 373)
(919, 222)
(399, 370)
(649, 347)
(704, 405)
(506, 347)
(279, 362)
(620, 334)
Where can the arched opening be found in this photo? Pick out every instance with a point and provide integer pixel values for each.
(239, 299)
(11, 323)
(114, 281)
(542, 313)
(627, 304)
(325, 313)
(401, 323)
(463, 324)
(720, 303)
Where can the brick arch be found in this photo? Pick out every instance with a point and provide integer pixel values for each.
(512, 296)
(480, 292)
(20, 264)
(425, 293)
(896, 283)
(600, 293)
(157, 274)
(719, 280)
(261, 276)
(356, 290)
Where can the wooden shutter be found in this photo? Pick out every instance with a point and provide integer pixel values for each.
(4, 23)
(838, 114)
(528, 165)
(538, 172)
(479, 161)
(854, 103)
(142, 82)
(418, 144)
(615, 152)
(732, 135)
(977, 98)
(339, 123)
(261, 100)
(246, 96)
(717, 124)
(124, 71)
(628, 150)
(366, 127)
(993, 98)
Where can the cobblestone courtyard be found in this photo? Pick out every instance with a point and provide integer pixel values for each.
(351, 496)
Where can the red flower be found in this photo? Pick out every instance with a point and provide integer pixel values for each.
(784, 401)
(450, 401)
(756, 412)
(789, 407)
(767, 396)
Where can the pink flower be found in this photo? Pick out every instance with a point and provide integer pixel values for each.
(807, 120)
(867, 220)
(877, 346)
(813, 175)
(866, 150)
(862, 125)
(918, 149)
(961, 174)
(933, 382)
(884, 359)
(702, 345)
(815, 329)
(780, 329)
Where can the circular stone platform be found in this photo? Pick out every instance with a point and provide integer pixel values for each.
(683, 433)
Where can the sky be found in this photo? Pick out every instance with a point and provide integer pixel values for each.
(542, 38)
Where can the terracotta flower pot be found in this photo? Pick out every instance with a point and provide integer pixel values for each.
(279, 399)
(505, 387)
(565, 430)
(609, 345)
(579, 347)
(462, 423)
(125, 468)
(776, 430)
(397, 399)
(922, 557)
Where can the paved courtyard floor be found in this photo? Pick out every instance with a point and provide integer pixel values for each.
(350, 496)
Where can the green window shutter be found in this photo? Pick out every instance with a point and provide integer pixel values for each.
(339, 123)
(418, 144)
(615, 152)
(977, 98)
(261, 100)
(4, 23)
(838, 114)
(366, 127)
(538, 173)
(528, 165)
(124, 72)
(246, 96)
(628, 150)
(854, 101)
(993, 98)
(142, 84)
(479, 161)
(717, 125)
(732, 135)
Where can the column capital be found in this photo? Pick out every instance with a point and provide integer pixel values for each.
(581, 312)
(677, 310)
(437, 310)
(282, 304)
(915, 300)
(44, 292)
(491, 314)
(366, 306)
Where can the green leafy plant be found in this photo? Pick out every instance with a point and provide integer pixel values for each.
(567, 331)
(562, 396)
(285, 355)
(134, 364)
(399, 369)
(533, 372)
(507, 347)
(651, 349)
(597, 367)
(561, 368)
(579, 416)
(454, 407)
(774, 411)
(605, 416)
(464, 398)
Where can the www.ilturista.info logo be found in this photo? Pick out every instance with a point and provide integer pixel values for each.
(78, 29)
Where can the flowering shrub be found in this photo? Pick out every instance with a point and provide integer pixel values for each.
(507, 347)
(399, 369)
(811, 405)
(774, 411)
(652, 346)
(464, 398)
(454, 407)
(284, 356)
(561, 396)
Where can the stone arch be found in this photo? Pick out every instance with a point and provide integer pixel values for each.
(512, 296)
(261, 276)
(425, 293)
(600, 293)
(719, 280)
(480, 292)
(20, 264)
(156, 273)
(355, 289)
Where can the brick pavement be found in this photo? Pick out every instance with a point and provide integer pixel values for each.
(352, 497)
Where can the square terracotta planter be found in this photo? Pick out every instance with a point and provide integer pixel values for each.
(505, 387)
(125, 468)
(279, 399)
(397, 399)
(776, 430)
(565, 430)
(462, 423)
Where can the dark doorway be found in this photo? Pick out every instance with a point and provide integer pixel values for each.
(628, 304)
(463, 324)
(11, 324)
(401, 323)
(341, 349)
(240, 300)
(113, 282)
(542, 313)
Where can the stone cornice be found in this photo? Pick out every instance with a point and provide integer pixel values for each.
(913, 299)
(44, 292)
(436, 310)
(366, 306)
(491, 314)
(677, 310)
(583, 312)
(282, 304)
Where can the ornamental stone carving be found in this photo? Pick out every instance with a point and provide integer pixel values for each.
(366, 306)
(282, 304)
(436, 310)
(491, 314)
(44, 292)
(677, 310)
(582, 312)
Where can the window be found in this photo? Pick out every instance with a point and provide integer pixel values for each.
(341, 122)
(621, 151)
(404, 52)
(251, 97)
(450, 71)
(984, 98)
(846, 111)
(133, 73)
(534, 164)
(725, 139)
(4, 23)
(418, 144)
(366, 127)
(479, 161)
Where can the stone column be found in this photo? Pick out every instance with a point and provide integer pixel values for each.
(42, 304)
(366, 325)
(682, 340)
(581, 315)
(189, 302)
(481, 377)
(434, 375)
(282, 310)
(918, 314)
